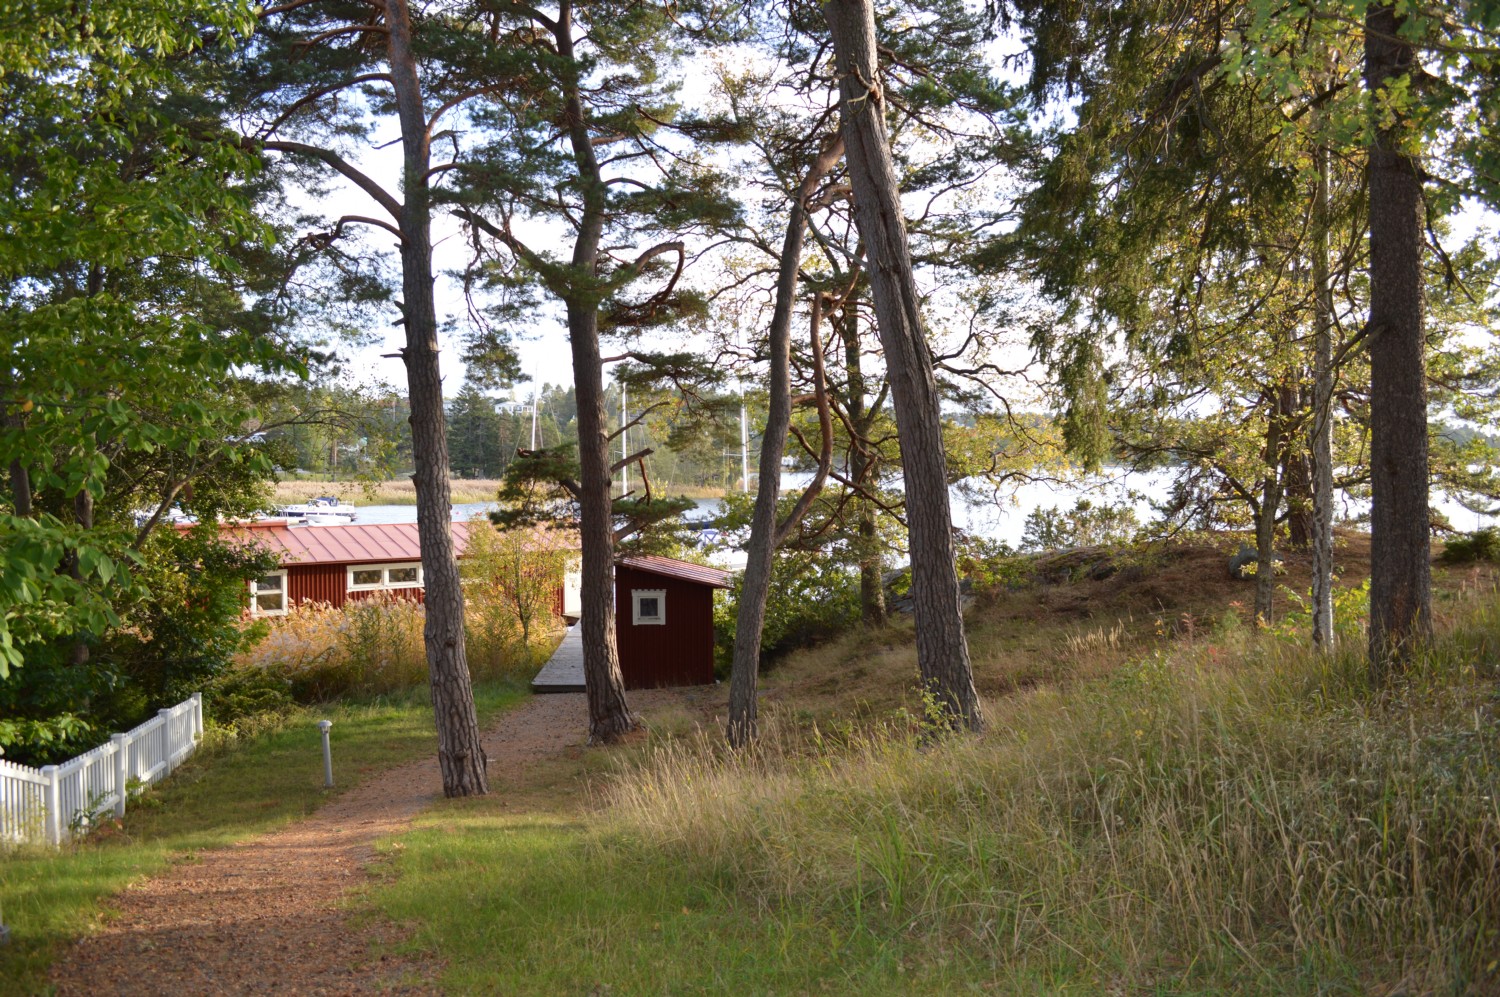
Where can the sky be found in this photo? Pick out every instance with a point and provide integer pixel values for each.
(544, 353)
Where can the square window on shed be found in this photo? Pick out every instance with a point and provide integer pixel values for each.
(648, 607)
(268, 595)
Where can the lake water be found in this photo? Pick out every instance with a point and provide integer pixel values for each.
(998, 517)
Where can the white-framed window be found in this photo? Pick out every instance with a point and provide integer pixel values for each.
(371, 577)
(648, 607)
(268, 595)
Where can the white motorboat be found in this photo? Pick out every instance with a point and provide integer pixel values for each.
(322, 510)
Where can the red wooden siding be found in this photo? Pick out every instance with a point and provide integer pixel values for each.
(329, 583)
(679, 652)
(316, 583)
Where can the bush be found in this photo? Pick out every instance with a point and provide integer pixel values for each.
(1481, 545)
(510, 582)
(812, 597)
(1085, 525)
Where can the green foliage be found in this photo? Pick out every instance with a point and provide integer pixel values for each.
(812, 597)
(540, 490)
(1085, 525)
(1481, 545)
(177, 629)
(121, 298)
(1351, 614)
(511, 579)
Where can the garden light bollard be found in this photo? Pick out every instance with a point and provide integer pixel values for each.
(324, 725)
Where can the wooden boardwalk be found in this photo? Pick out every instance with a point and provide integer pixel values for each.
(563, 672)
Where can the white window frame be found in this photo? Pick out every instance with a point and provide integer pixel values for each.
(660, 619)
(286, 595)
(385, 582)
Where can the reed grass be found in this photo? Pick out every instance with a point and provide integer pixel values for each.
(375, 646)
(464, 490)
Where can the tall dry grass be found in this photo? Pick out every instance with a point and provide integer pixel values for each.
(381, 492)
(375, 646)
(1230, 814)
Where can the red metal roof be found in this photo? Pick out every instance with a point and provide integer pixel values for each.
(356, 544)
(673, 568)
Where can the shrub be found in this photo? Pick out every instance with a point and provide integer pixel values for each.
(1481, 545)
(510, 584)
(812, 597)
(1085, 525)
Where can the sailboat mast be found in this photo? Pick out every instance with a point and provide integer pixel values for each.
(744, 428)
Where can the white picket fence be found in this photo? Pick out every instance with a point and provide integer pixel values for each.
(56, 801)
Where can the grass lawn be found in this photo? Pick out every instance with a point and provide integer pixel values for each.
(1190, 807)
(229, 791)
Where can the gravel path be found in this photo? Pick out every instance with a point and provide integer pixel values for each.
(268, 915)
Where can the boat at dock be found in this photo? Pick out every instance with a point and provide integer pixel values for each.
(321, 510)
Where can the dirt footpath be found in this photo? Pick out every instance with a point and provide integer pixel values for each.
(267, 915)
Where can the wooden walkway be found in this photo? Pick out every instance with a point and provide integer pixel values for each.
(563, 672)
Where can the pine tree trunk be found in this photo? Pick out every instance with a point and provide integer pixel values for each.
(862, 472)
(609, 713)
(755, 584)
(942, 650)
(1296, 476)
(1265, 521)
(1400, 570)
(1321, 443)
(460, 753)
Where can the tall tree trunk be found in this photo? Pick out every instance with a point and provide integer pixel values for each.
(862, 467)
(1296, 476)
(20, 477)
(1265, 520)
(942, 650)
(460, 753)
(609, 713)
(1400, 571)
(755, 583)
(1321, 426)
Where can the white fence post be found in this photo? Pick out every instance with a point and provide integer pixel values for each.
(166, 738)
(122, 771)
(197, 715)
(54, 805)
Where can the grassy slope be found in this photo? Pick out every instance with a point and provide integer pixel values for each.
(1165, 804)
(229, 791)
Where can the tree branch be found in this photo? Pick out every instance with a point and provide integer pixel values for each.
(338, 163)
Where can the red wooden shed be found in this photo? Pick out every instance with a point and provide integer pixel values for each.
(664, 621)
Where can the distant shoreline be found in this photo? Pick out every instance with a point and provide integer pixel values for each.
(464, 491)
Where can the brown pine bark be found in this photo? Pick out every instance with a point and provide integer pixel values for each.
(862, 465)
(755, 583)
(460, 754)
(942, 650)
(609, 713)
(1400, 570)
